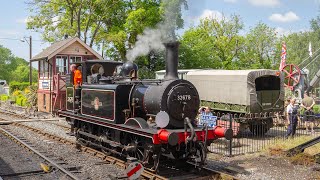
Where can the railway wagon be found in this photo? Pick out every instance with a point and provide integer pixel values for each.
(181, 73)
(254, 95)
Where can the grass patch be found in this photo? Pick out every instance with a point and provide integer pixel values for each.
(305, 158)
(283, 145)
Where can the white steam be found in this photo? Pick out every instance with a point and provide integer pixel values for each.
(153, 39)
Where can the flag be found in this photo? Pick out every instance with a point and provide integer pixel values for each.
(283, 56)
(310, 50)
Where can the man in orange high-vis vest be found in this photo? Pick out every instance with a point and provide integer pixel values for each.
(77, 76)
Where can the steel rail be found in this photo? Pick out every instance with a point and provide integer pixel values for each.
(300, 148)
(146, 174)
(40, 154)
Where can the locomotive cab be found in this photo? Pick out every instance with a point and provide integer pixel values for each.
(92, 72)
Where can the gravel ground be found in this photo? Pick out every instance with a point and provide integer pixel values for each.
(253, 166)
(90, 167)
(15, 159)
(52, 128)
(257, 166)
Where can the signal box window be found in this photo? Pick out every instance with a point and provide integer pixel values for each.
(43, 69)
(62, 65)
(75, 59)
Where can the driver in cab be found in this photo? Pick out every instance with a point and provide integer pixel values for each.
(77, 76)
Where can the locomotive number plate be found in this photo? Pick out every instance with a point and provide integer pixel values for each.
(70, 99)
(184, 97)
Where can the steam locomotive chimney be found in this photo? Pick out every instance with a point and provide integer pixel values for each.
(171, 60)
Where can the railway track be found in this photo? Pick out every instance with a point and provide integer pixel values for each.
(24, 143)
(167, 171)
(21, 116)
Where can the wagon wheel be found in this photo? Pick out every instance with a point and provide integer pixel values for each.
(292, 75)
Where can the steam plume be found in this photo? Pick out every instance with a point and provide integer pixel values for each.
(153, 39)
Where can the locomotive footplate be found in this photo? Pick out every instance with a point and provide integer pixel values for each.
(158, 136)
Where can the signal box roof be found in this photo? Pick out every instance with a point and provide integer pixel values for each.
(60, 46)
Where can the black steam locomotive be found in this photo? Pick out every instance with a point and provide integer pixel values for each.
(144, 119)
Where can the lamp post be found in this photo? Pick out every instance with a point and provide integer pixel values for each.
(30, 56)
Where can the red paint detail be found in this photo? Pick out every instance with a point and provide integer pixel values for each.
(219, 131)
(226, 125)
(213, 133)
(292, 75)
(155, 136)
(163, 135)
(134, 170)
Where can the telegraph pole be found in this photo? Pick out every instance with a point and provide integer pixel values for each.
(30, 53)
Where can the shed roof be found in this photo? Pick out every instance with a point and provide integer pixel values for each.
(58, 46)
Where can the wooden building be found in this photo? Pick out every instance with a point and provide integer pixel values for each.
(53, 65)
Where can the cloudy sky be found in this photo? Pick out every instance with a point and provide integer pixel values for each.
(284, 15)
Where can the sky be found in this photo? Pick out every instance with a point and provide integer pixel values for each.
(286, 16)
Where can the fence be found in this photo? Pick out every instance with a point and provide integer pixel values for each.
(250, 136)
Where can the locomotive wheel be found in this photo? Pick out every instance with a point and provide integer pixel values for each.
(137, 150)
(201, 154)
(79, 139)
(178, 155)
(105, 135)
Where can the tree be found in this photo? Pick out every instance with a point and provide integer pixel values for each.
(260, 44)
(117, 23)
(85, 19)
(21, 73)
(13, 68)
(215, 43)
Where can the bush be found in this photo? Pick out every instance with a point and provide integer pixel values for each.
(32, 96)
(316, 109)
(21, 86)
(4, 97)
(21, 100)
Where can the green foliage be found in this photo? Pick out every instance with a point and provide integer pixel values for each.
(316, 109)
(21, 74)
(145, 73)
(212, 44)
(23, 97)
(21, 86)
(114, 22)
(4, 97)
(81, 18)
(8, 63)
(32, 96)
(260, 43)
(21, 100)
(218, 44)
(14, 68)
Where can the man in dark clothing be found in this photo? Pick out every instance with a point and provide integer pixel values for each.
(308, 117)
(292, 118)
